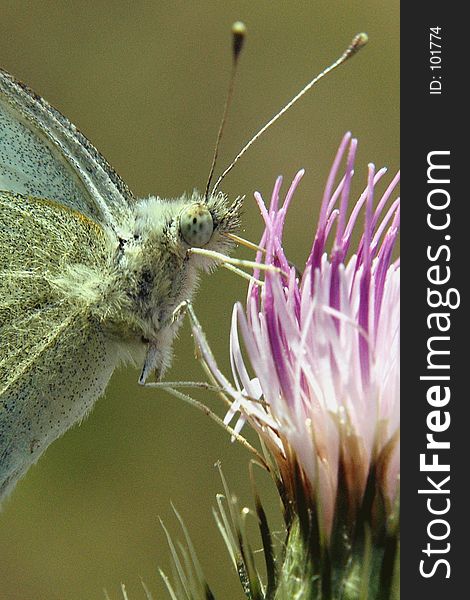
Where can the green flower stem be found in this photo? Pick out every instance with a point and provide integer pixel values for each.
(369, 571)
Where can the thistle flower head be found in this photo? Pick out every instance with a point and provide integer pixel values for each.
(324, 349)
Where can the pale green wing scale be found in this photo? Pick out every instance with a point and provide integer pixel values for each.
(42, 154)
(62, 207)
(53, 351)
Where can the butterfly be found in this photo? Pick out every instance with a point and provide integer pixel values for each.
(90, 276)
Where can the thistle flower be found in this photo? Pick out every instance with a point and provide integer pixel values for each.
(324, 349)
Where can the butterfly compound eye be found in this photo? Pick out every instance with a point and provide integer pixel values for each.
(196, 225)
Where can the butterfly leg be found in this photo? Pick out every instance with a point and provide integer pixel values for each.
(159, 351)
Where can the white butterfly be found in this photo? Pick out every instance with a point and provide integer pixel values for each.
(89, 275)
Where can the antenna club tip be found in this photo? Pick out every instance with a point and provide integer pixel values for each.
(359, 41)
(239, 34)
(239, 28)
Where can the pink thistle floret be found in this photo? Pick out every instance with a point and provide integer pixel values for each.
(324, 347)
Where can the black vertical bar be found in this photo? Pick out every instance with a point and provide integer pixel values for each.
(435, 247)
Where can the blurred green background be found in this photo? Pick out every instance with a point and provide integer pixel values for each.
(145, 81)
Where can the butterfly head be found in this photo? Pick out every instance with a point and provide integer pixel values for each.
(155, 262)
(206, 223)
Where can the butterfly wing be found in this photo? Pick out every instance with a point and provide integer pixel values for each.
(55, 360)
(42, 154)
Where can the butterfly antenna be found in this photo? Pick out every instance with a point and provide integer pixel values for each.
(358, 42)
(238, 37)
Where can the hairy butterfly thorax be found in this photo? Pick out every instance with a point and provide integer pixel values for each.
(152, 270)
